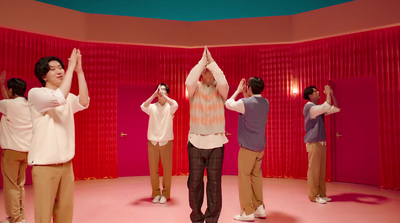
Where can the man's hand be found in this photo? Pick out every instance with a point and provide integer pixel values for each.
(157, 92)
(328, 90)
(161, 92)
(78, 67)
(242, 85)
(72, 60)
(2, 77)
(209, 57)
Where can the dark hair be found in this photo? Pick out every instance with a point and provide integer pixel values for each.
(309, 90)
(17, 86)
(166, 87)
(256, 84)
(42, 67)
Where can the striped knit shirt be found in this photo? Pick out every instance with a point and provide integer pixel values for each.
(207, 110)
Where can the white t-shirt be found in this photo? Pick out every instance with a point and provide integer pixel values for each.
(160, 122)
(16, 124)
(53, 140)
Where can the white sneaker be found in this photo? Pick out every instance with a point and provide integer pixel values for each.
(163, 200)
(327, 199)
(157, 199)
(244, 217)
(260, 212)
(320, 200)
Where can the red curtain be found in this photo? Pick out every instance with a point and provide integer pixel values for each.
(282, 67)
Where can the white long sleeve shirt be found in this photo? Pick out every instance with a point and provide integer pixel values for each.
(160, 129)
(238, 105)
(53, 140)
(16, 124)
(324, 108)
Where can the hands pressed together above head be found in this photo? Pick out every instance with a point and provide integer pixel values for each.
(328, 90)
(207, 56)
(75, 61)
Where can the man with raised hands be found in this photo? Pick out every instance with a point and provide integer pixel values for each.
(253, 112)
(53, 142)
(206, 138)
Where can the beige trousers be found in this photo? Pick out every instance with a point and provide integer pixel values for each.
(13, 166)
(250, 180)
(53, 189)
(316, 173)
(164, 153)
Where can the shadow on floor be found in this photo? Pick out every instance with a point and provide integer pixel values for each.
(280, 217)
(360, 198)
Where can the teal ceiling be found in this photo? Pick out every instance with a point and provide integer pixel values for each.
(192, 10)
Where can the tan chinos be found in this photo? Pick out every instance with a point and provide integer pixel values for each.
(13, 166)
(250, 180)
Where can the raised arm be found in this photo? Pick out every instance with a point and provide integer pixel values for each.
(65, 86)
(83, 89)
(327, 107)
(150, 99)
(335, 107)
(170, 101)
(334, 100)
(3, 88)
(233, 105)
(328, 92)
(222, 84)
(239, 89)
(195, 73)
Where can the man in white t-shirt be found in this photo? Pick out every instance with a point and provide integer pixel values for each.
(160, 134)
(53, 141)
(15, 137)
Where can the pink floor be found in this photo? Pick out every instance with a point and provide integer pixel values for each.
(127, 199)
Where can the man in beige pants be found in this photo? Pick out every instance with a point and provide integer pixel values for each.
(253, 112)
(160, 134)
(315, 137)
(15, 137)
(53, 142)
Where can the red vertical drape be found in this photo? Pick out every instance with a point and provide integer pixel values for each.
(282, 67)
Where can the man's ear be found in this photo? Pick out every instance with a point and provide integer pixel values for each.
(249, 89)
(10, 91)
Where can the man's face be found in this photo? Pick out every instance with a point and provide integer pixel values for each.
(55, 75)
(315, 95)
(163, 90)
(207, 77)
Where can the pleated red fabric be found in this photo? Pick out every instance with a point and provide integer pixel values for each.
(282, 67)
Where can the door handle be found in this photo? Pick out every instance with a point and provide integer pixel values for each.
(123, 134)
(338, 135)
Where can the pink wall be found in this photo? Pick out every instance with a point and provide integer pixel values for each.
(355, 16)
(282, 67)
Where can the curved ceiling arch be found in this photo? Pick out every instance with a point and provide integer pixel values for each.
(191, 10)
